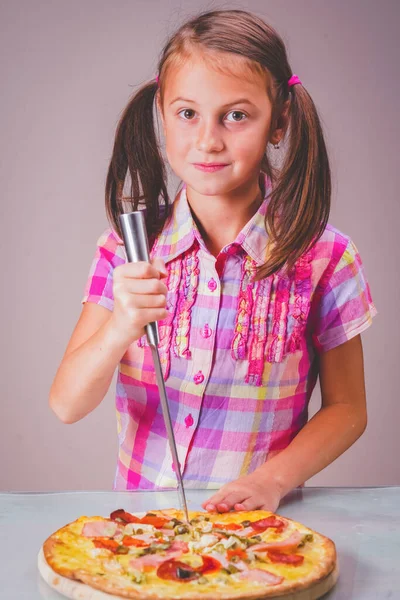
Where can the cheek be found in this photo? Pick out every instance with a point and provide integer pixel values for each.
(176, 143)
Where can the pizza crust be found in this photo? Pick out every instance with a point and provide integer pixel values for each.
(82, 585)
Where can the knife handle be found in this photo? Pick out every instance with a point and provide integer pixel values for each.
(137, 249)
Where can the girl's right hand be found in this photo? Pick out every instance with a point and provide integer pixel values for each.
(139, 297)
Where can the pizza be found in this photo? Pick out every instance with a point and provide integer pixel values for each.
(158, 556)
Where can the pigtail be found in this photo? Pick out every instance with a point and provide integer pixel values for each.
(300, 199)
(136, 150)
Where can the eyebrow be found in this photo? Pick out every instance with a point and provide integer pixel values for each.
(238, 101)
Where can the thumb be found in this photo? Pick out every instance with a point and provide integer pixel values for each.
(159, 264)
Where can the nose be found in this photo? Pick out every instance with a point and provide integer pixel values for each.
(209, 138)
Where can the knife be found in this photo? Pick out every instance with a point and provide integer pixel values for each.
(137, 249)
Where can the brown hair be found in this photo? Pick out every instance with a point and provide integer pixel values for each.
(299, 203)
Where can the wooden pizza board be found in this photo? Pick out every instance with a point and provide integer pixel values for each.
(80, 591)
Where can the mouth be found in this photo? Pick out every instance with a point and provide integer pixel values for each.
(210, 166)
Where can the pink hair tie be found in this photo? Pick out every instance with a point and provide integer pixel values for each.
(293, 80)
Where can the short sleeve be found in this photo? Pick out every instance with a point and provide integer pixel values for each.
(345, 308)
(99, 285)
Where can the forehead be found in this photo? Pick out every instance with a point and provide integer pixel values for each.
(218, 73)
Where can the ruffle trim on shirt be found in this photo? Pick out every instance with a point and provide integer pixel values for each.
(182, 284)
(267, 310)
(271, 313)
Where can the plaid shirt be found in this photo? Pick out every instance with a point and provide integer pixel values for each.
(239, 357)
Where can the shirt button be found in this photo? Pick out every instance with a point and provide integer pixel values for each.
(189, 421)
(206, 331)
(212, 284)
(198, 378)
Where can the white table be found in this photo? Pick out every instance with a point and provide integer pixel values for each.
(364, 523)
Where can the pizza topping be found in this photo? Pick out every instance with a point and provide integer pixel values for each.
(99, 529)
(157, 522)
(260, 575)
(148, 519)
(127, 540)
(112, 545)
(178, 545)
(263, 524)
(177, 571)
(307, 538)
(234, 553)
(291, 543)
(180, 571)
(229, 526)
(152, 560)
(164, 533)
(247, 531)
(205, 541)
(289, 559)
(124, 516)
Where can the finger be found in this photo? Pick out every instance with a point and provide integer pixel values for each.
(248, 504)
(148, 301)
(141, 286)
(137, 270)
(224, 501)
(159, 264)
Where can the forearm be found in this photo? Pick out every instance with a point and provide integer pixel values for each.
(331, 431)
(85, 374)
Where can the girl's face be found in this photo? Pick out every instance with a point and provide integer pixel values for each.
(210, 117)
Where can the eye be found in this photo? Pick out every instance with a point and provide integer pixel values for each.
(238, 112)
(186, 110)
(189, 113)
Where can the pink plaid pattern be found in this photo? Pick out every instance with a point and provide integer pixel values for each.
(238, 356)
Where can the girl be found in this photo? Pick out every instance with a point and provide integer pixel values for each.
(255, 294)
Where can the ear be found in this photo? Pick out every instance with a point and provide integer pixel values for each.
(282, 123)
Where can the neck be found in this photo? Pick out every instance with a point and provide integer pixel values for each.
(220, 218)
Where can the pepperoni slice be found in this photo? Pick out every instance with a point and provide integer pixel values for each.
(177, 570)
(210, 565)
(289, 559)
(124, 516)
(131, 541)
(263, 524)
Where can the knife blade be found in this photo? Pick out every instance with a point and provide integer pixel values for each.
(137, 249)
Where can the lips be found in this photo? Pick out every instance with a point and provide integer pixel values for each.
(210, 164)
(210, 167)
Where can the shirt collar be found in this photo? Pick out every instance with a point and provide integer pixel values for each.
(180, 231)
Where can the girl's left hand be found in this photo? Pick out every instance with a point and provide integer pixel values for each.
(250, 492)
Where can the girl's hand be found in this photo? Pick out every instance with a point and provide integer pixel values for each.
(139, 297)
(250, 492)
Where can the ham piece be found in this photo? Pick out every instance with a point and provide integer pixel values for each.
(290, 543)
(260, 575)
(100, 529)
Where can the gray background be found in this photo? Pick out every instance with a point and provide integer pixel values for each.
(67, 71)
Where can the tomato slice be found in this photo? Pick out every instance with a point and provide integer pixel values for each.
(236, 552)
(157, 522)
(228, 526)
(108, 543)
(131, 541)
(289, 559)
